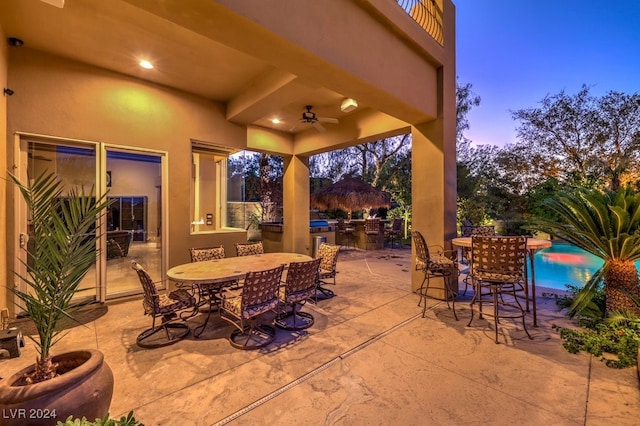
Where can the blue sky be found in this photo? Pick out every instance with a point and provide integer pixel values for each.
(515, 52)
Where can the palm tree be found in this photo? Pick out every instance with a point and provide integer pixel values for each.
(62, 249)
(607, 225)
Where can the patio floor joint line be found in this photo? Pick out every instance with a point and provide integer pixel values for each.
(312, 373)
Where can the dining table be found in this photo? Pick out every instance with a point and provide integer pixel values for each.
(211, 276)
(533, 245)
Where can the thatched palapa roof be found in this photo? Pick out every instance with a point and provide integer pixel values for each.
(350, 194)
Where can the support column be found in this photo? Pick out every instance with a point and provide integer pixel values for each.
(427, 191)
(295, 231)
(433, 177)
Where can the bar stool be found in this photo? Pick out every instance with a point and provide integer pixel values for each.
(372, 232)
(346, 232)
(498, 270)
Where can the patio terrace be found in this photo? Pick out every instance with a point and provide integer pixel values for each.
(369, 359)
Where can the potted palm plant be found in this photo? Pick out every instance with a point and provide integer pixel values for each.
(61, 250)
(607, 225)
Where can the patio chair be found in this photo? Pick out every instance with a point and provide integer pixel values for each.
(498, 269)
(372, 232)
(394, 231)
(328, 255)
(346, 231)
(253, 310)
(248, 249)
(207, 253)
(300, 285)
(442, 265)
(168, 307)
(470, 231)
(209, 293)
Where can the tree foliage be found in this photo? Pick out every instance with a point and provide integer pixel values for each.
(584, 140)
(568, 141)
(262, 180)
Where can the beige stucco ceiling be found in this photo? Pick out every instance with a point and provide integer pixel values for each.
(115, 35)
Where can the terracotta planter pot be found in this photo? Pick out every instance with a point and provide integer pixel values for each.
(84, 388)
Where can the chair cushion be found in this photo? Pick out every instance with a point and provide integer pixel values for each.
(204, 254)
(233, 305)
(176, 300)
(435, 263)
(249, 249)
(298, 296)
(496, 277)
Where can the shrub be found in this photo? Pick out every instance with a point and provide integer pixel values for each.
(129, 420)
(619, 334)
(620, 338)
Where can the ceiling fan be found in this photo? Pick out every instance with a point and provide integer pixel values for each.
(309, 117)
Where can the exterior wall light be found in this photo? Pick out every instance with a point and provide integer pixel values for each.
(348, 105)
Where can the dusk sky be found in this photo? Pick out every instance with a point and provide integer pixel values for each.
(515, 52)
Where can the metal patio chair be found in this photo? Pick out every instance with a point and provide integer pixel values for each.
(300, 285)
(442, 265)
(498, 270)
(168, 307)
(253, 310)
(248, 249)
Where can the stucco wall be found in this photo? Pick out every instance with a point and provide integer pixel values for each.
(4, 277)
(62, 98)
(330, 53)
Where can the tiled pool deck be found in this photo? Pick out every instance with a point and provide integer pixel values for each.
(370, 359)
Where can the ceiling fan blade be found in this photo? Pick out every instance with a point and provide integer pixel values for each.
(319, 126)
(294, 128)
(328, 120)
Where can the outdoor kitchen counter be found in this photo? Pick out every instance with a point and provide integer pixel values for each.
(272, 235)
(360, 238)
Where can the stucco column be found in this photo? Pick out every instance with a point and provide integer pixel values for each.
(433, 189)
(295, 231)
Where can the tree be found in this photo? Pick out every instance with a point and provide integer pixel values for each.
(607, 225)
(585, 141)
(475, 165)
(262, 177)
(466, 99)
(271, 196)
(379, 159)
(620, 116)
(486, 188)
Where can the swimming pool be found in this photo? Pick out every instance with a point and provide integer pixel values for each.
(563, 264)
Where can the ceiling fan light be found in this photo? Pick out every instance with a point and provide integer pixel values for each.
(348, 105)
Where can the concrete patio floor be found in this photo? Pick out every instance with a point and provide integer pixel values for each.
(369, 359)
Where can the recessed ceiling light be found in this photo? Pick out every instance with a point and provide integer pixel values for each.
(275, 121)
(146, 64)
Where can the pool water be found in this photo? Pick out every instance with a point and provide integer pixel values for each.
(563, 264)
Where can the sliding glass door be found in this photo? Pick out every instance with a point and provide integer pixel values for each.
(75, 165)
(134, 231)
(132, 226)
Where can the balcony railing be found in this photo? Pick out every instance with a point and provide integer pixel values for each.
(427, 14)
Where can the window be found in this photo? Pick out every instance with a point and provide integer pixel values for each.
(208, 187)
(227, 190)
